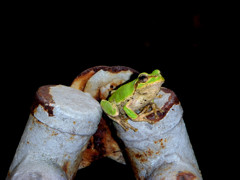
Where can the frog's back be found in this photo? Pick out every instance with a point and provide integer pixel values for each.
(123, 92)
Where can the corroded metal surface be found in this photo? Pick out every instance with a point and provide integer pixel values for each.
(101, 145)
(64, 133)
(99, 81)
(60, 124)
(161, 150)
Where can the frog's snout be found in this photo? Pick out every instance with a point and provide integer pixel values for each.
(162, 78)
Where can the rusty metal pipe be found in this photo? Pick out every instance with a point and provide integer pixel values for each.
(161, 150)
(60, 124)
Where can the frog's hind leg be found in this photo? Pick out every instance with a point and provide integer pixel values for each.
(147, 110)
(142, 118)
(155, 109)
(124, 123)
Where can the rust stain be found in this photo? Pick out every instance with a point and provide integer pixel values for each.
(162, 144)
(134, 157)
(65, 167)
(158, 141)
(39, 122)
(81, 80)
(141, 157)
(100, 138)
(112, 69)
(172, 100)
(185, 175)
(159, 96)
(35, 120)
(9, 174)
(74, 122)
(72, 137)
(149, 152)
(101, 144)
(44, 98)
(54, 133)
(138, 155)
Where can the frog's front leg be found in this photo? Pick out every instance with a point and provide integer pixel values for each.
(134, 116)
(113, 113)
(109, 108)
(123, 122)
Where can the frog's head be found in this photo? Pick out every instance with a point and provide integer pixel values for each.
(150, 83)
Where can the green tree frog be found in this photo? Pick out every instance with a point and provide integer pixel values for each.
(133, 97)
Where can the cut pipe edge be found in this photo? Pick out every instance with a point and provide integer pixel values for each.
(163, 149)
(55, 135)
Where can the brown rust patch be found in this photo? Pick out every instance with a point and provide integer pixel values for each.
(172, 100)
(36, 121)
(80, 81)
(72, 137)
(138, 155)
(133, 157)
(142, 157)
(100, 145)
(65, 167)
(54, 133)
(185, 175)
(157, 153)
(43, 98)
(149, 152)
(162, 143)
(99, 139)
(112, 69)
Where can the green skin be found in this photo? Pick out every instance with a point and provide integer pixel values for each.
(132, 97)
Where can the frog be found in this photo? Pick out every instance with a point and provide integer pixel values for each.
(134, 100)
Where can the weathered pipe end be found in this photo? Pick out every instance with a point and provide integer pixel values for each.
(60, 124)
(43, 98)
(161, 150)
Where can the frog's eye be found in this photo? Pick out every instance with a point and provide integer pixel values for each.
(143, 78)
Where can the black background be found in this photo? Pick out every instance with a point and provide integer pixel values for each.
(53, 44)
